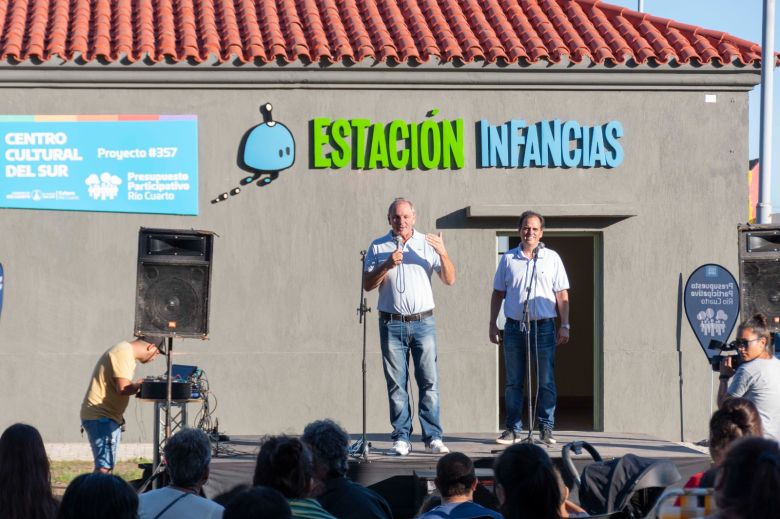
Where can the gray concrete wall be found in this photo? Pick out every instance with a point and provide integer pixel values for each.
(285, 342)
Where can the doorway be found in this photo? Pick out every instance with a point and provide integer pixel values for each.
(578, 363)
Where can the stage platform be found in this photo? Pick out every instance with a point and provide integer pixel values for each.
(403, 480)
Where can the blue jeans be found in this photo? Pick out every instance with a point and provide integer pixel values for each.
(398, 339)
(543, 340)
(104, 435)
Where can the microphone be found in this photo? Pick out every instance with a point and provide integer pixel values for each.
(399, 242)
(538, 248)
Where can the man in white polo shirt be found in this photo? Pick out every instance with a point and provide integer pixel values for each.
(401, 263)
(534, 274)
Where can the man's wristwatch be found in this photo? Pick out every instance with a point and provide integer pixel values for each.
(566, 326)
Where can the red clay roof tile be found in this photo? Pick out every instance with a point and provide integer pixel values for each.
(349, 31)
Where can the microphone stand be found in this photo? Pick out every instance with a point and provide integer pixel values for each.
(527, 326)
(360, 448)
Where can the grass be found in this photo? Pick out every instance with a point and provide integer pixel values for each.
(63, 472)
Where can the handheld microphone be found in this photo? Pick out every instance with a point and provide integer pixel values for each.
(399, 242)
(538, 248)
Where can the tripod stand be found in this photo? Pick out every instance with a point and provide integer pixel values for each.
(528, 378)
(158, 466)
(360, 449)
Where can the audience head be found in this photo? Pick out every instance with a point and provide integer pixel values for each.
(97, 496)
(25, 478)
(329, 443)
(257, 502)
(527, 485)
(227, 496)
(285, 464)
(737, 417)
(455, 475)
(748, 486)
(187, 457)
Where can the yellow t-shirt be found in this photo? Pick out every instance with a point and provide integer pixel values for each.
(102, 399)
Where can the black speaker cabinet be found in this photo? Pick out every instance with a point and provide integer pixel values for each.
(759, 272)
(173, 282)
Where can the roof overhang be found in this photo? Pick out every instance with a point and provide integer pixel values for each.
(538, 76)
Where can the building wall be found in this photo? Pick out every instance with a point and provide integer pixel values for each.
(285, 343)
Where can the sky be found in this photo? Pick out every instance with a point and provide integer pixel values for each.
(741, 18)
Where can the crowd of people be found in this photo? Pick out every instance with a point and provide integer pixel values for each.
(306, 477)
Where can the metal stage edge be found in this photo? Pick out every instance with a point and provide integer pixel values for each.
(400, 479)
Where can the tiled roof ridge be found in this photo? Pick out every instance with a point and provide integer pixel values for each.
(391, 32)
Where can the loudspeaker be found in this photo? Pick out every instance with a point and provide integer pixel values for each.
(759, 272)
(173, 283)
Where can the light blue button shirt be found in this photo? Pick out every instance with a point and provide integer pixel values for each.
(406, 288)
(514, 275)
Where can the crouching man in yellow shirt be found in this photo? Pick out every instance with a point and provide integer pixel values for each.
(109, 393)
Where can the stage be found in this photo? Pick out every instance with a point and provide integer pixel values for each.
(404, 481)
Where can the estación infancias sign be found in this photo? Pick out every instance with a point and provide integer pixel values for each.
(366, 144)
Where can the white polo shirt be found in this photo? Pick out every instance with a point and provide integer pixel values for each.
(406, 288)
(513, 276)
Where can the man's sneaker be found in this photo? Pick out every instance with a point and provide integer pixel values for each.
(400, 448)
(437, 447)
(546, 435)
(508, 437)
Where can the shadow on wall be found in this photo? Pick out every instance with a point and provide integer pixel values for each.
(460, 219)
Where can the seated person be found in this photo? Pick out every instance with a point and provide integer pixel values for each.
(286, 465)
(187, 458)
(526, 483)
(758, 377)
(748, 486)
(340, 496)
(736, 418)
(258, 502)
(25, 476)
(456, 481)
(97, 496)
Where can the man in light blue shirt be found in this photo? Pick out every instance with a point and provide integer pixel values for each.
(401, 264)
(532, 283)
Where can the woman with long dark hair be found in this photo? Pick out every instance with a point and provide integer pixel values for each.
(25, 479)
(286, 464)
(527, 484)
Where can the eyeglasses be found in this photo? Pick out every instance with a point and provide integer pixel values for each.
(744, 343)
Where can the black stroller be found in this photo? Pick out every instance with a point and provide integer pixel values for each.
(626, 487)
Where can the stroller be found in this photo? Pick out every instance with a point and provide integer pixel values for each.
(625, 488)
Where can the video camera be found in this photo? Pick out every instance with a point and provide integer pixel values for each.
(726, 350)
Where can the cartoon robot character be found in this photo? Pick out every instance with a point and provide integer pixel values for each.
(269, 149)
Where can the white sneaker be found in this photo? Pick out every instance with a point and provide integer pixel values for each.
(437, 447)
(400, 448)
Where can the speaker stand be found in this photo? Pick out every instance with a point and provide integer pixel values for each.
(159, 466)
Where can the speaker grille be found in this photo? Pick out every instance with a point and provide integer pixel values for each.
(760, 283)
(171, 299)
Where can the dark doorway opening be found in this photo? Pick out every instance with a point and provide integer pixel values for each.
(575, 362)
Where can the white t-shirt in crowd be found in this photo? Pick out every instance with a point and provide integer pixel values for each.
(152, 503)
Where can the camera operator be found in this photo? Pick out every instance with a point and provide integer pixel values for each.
(758, 376)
